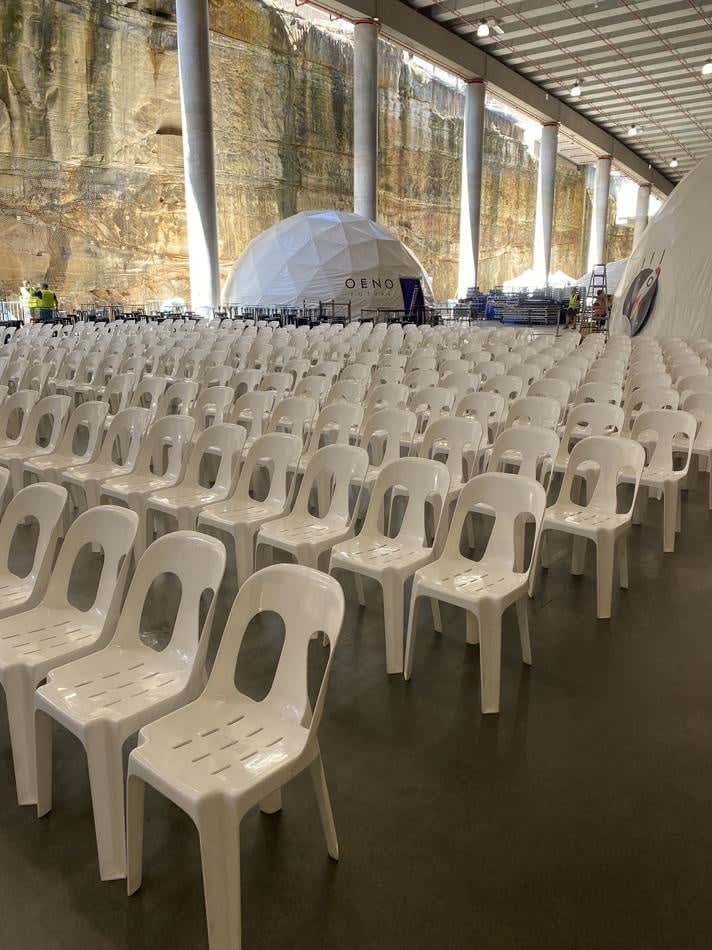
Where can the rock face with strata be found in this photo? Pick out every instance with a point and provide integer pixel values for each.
(91, 176)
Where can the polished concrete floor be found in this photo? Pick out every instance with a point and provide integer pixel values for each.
(577, 818)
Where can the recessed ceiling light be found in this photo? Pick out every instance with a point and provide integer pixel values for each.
(707, 67)
(633, 130)
(483, 29)
(576, 88)
(673, 163)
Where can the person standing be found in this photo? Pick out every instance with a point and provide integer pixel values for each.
(48, 304)
(26, 294)
(572, 312)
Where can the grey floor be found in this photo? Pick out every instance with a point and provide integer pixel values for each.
(577, 818)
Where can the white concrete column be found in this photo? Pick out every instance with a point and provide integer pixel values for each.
(641, 211)
(473, 138)
(599, 218)
(365, 98)
(198, 152)
(546, 183)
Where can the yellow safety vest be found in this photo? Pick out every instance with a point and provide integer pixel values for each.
(33, 301)
(48, 300)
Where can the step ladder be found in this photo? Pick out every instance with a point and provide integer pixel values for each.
(596, 284)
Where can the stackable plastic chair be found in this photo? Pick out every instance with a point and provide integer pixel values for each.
(535, 411)
(105, 698)
(699, 405)
(35, 440)
(509, 387)
(666, 433)
(308, 536)
(178, 398)
(182, 503)
(148, 392)
(293, 414)
(160, 464)
(392, 556)
(488, 370)
(648, 397)
(601, 463)
(488, 408)
(11, 428)
(54, 632)
(224, 753)
(246, 381)
(383, 434)
(485, 588)
(588, 419)
(251, 411)
(599, 392)
(529, 373)
(455, 441)
(386, 396)
(531, 449)
(314, 387)
(241, 515)
(336, 423)
(118, 454)
(44, 503)
(461, 383)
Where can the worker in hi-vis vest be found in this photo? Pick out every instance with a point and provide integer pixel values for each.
(48, 304)
(34, 302)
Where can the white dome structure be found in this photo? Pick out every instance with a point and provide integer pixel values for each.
(327, 256)
(667, 286)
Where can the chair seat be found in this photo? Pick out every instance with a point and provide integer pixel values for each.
(244, 513)
(20, 453)
(370, 556)
(135, 484)
(94, 471)
(188, 497)
(295, 530)
(14, 590)
(51, 463)
(117, 683)
(460, 580)
(45, 637)
(579, 520)
(214, 747)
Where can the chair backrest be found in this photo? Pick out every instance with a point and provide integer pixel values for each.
(486, 370)
(22, 403)
(245, 381)
(392, 426)
(649, 397)
(386, 396)
(456, 438)
(298, 367)
(349, 390)
(113, 529)
(224, 441)
(250, 410)
(178, 399)
(55, 408)
(358, 370)
(198, 562)
(571, 374)
(664, 431)
(281, 588)
(425, 481)
(528, 372)
(510, 498)
(211, 406)
(599, 392)
(337, 420)
(592, 419)
(118, 391)
(535, 411)
(339, 467)
(697, 383)
(292, 415)
(219, 375)
(430, 403)
(45, 503)
(315, 387)
(90, 418)
(700, 406)
(533, 449)
(487, 407)
(165, 447)
(276, 453)
(148, 392)
(124, 435)
(461, 383)
(614, 458)
(421, 378)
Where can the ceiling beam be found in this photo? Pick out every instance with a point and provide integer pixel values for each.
(415, 31)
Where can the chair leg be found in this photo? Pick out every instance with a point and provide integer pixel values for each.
(20, 699)
(360, 592)
(219, 831)
(410, 638)
(578, 555)
(523, 621)
(641, 505)
(490, 618)
(394, 622)
(670, 505)
(272, 804)
(437, 616)
(472, 628)
(106, 779)
(605, 550)
(623, 561)
(316, 770)
(43, 762)
(135, 789)
(244, 556)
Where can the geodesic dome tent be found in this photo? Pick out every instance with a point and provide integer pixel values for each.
(327, 256)
(667, 286)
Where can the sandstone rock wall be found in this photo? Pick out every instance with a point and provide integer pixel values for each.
(91, 179)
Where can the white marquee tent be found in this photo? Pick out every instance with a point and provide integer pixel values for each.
(614, 275)
(667, 286)
(318, 256)
(534, 280)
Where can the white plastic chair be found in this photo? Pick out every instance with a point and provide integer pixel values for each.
(601, 463)
(50, 414)
(293, 414)
(349, 390)
(211, 407)
(182, 503)
(118, 454)
(308, 536)
(54, 632)
(700, 406)
(314, 387)
(160, 464)
(148, 392)
(336, 422)
(86, 423)
(392, 556)
(242, 515)
(44, 503)
(105, 698)
(599, 392)
(383, 434)
(11, 428)
(485, 588)
(461, 383)
(246, 381)
(648, 397)
(529, 373)
(531, 449)
(665, 433)
(386, 396)
(488, 408)
(488, 370)
(178, 398)
(588, 419)
(225, 753)
(509, 387)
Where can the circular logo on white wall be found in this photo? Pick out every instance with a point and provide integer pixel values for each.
(640, 295)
